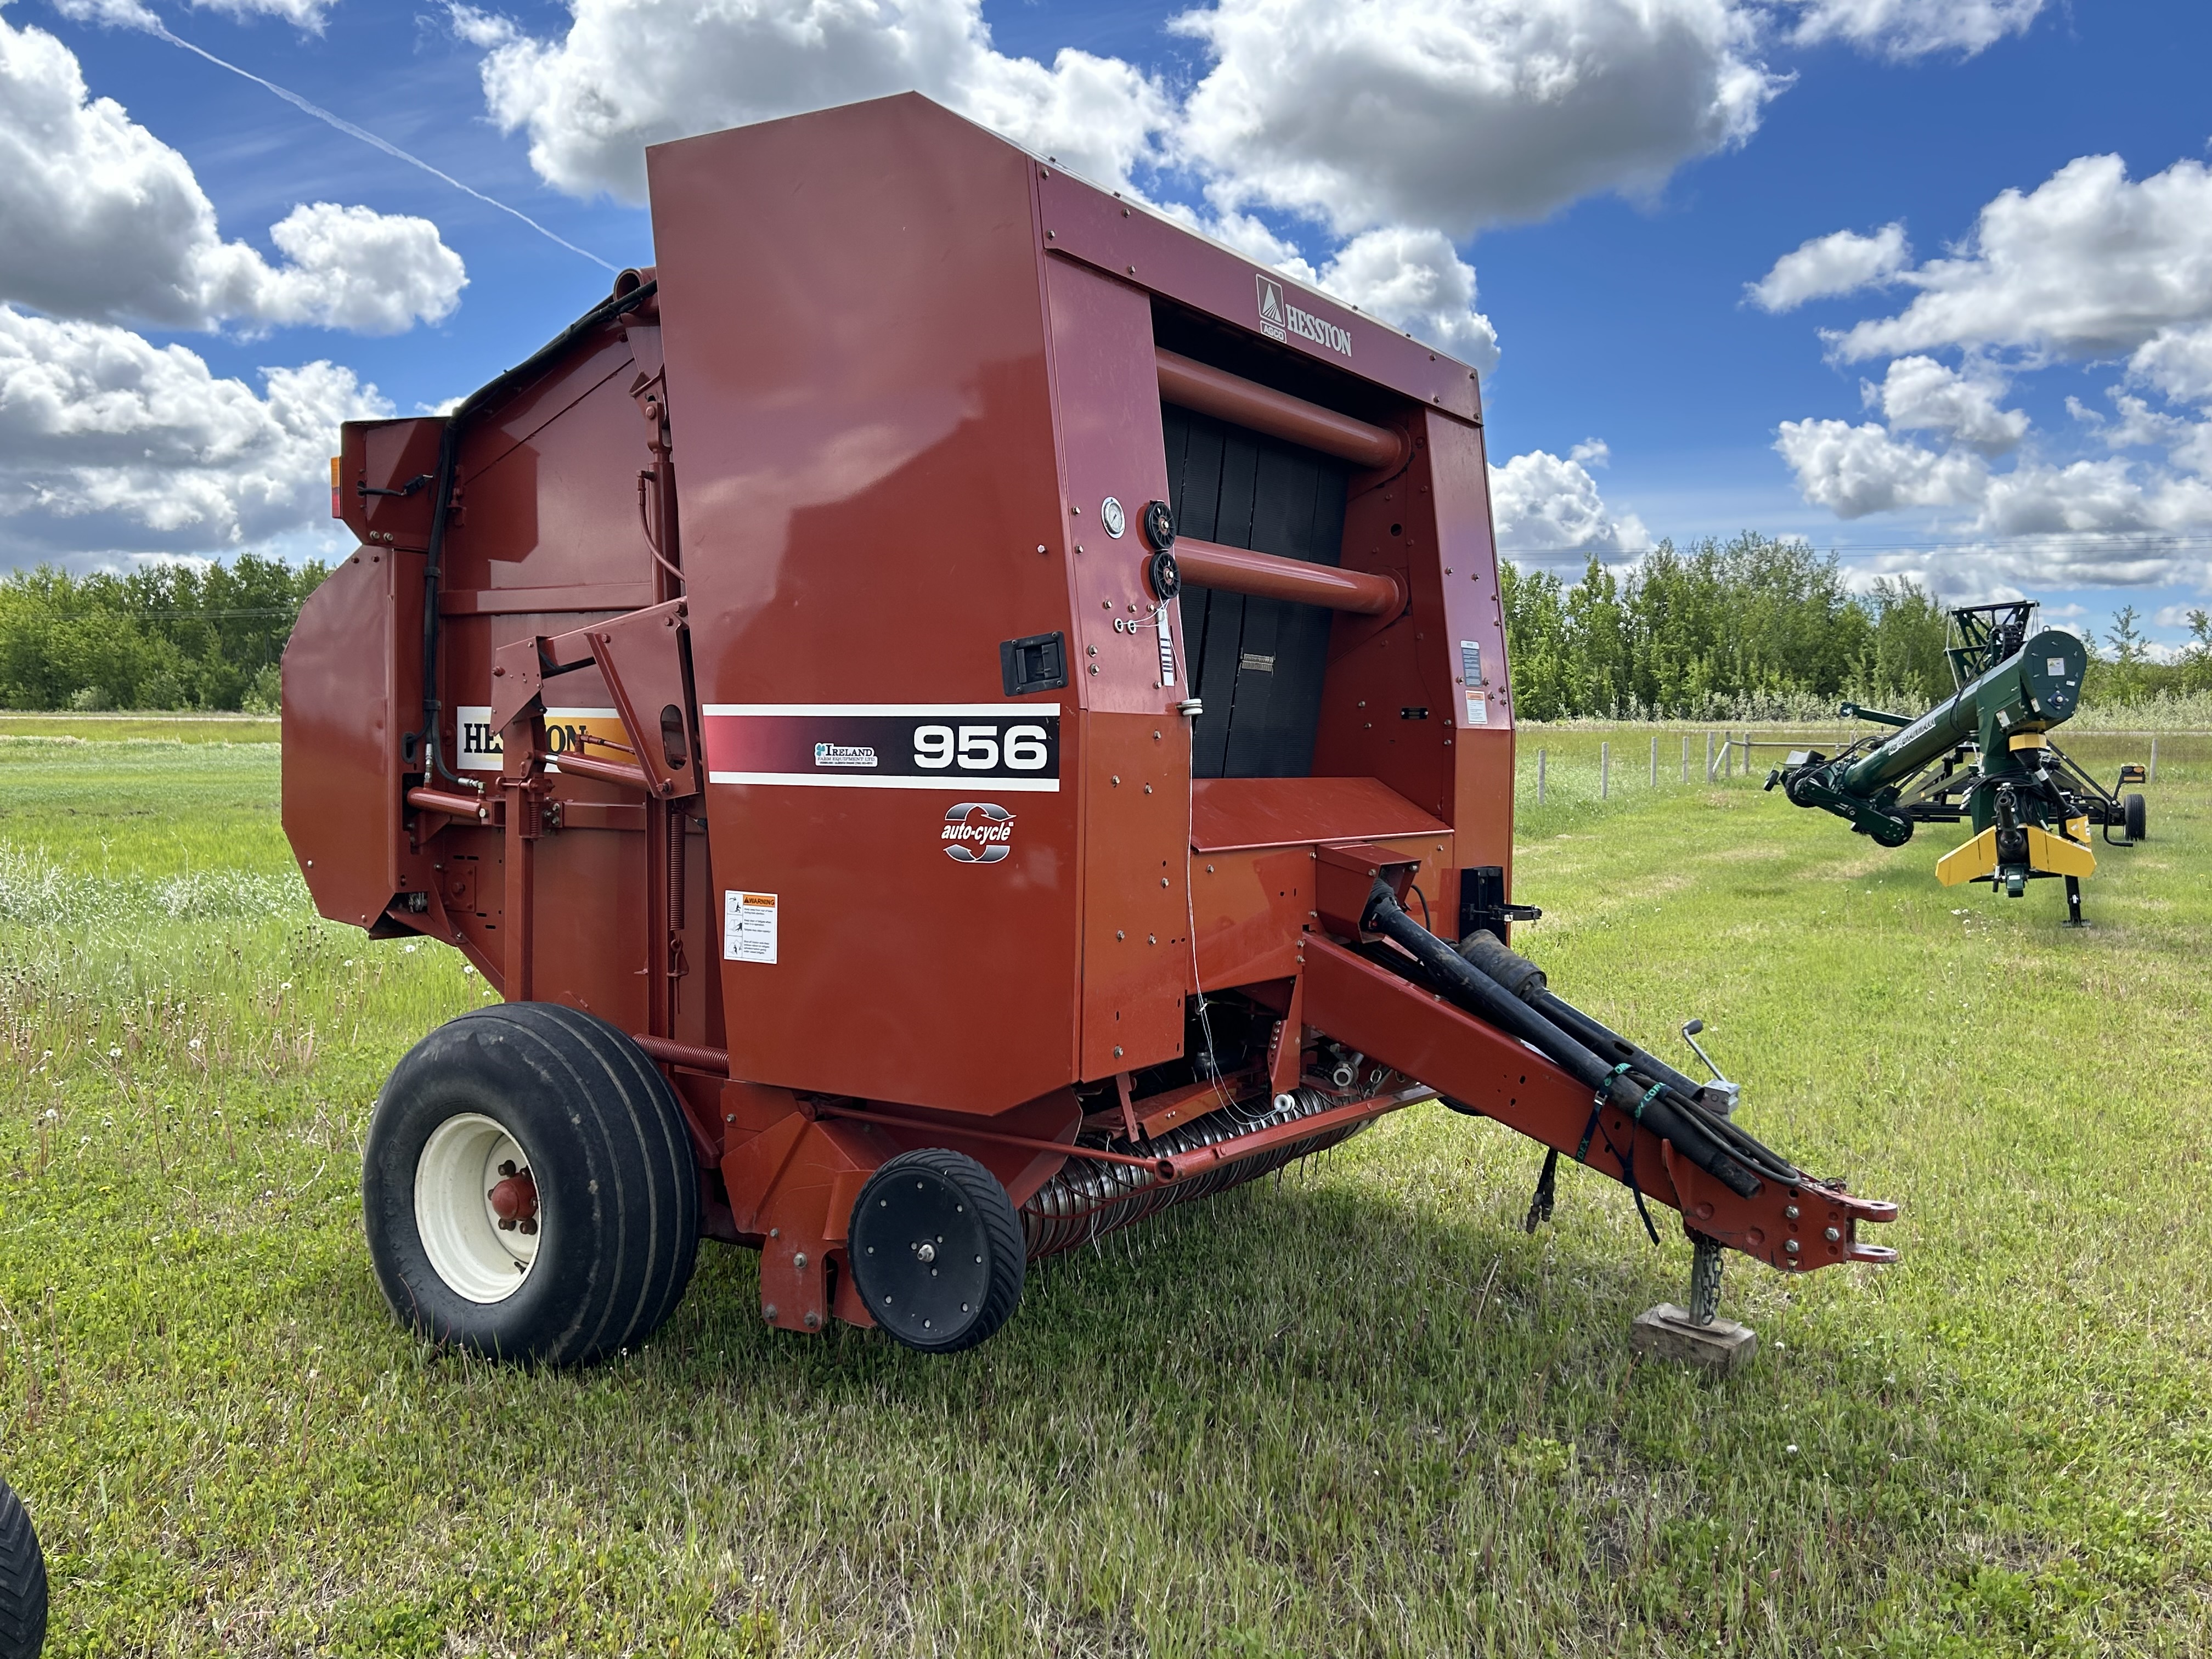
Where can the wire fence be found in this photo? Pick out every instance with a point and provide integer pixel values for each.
(1569, 768)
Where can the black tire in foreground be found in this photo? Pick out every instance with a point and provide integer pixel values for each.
(937, 1250)
(2136, 812)
(530, 1190)
(22, 1582)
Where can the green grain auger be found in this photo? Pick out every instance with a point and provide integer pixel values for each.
(1985, 756)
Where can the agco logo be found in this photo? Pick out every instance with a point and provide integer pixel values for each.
(1279, 319)
(978, 832)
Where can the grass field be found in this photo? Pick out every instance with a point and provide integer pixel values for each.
(119, 728)
(1357, 1411)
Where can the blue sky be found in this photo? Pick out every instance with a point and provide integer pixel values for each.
(1611, 270)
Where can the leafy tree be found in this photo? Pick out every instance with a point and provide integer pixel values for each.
(165, 636)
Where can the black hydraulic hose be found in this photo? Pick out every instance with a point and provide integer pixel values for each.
(1477, 994)
(1526, 981)
(449, 446)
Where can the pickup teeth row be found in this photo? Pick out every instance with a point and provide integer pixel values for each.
(1087, 1199)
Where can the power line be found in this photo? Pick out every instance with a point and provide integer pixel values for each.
(155, 27)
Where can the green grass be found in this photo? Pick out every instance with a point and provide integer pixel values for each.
(115, 728)
(1357, 1411)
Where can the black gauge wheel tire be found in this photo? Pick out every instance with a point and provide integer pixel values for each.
(568, 1102)
(2136, 812)
(22, 1582)
(937, 1250)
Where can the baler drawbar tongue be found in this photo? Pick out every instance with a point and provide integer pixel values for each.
(1466, 1021)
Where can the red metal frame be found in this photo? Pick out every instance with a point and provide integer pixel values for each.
(725, 575)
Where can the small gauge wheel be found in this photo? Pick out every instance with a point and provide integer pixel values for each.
(937, 1250)
(2134, 812)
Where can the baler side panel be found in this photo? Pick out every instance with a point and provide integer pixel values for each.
(853, 315)
(352, 681)
(547, 486)
(1136, 932)
(1136, 748)
(1463, 575)
(398, 459)
(548, 511)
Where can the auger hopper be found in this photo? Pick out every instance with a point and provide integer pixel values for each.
(956, 714)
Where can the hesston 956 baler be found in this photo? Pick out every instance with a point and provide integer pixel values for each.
(932, 706)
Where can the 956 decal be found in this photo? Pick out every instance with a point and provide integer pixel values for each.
(1013, 747)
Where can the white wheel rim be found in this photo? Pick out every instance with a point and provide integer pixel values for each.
(460, 1232)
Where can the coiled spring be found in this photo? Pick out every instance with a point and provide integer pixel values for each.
(1086, 1199)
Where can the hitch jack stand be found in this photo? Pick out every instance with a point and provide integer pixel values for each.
(1696, 1335)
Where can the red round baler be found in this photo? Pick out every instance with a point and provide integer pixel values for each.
(956, 714)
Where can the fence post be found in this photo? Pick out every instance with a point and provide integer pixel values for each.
(2153, 761)
(1539, 777)
(1685, 757)
(1604, 769)
(1655, 762)
(1709, 756)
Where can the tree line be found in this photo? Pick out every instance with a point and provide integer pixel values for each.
(1755, 628)
(165, 636)
(1743, 629)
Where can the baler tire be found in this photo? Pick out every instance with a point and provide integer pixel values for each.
(2136, 813)
(22, 1582)
(616, 1183)
(997, 1233)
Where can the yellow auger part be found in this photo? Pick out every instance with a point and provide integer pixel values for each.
(2047, 855)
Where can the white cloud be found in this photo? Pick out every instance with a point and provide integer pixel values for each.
(2177, 361)
(1825, 266)
(306, 14)
(1400, 125)
(2078, 523)
(1914, 28)
(1414, 280)
(1919, 394)
(2087, 264)
(1545, 507)
(1449, 113)
(629, 73)
(2093, 495)
(1462, 113)
(100, 219)
(1853, 471)
(350, 268)
(108, 441)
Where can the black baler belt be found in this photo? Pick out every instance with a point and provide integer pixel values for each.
(1476, 993)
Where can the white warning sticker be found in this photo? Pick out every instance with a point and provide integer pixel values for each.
(1477, 709)
(747, 927)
